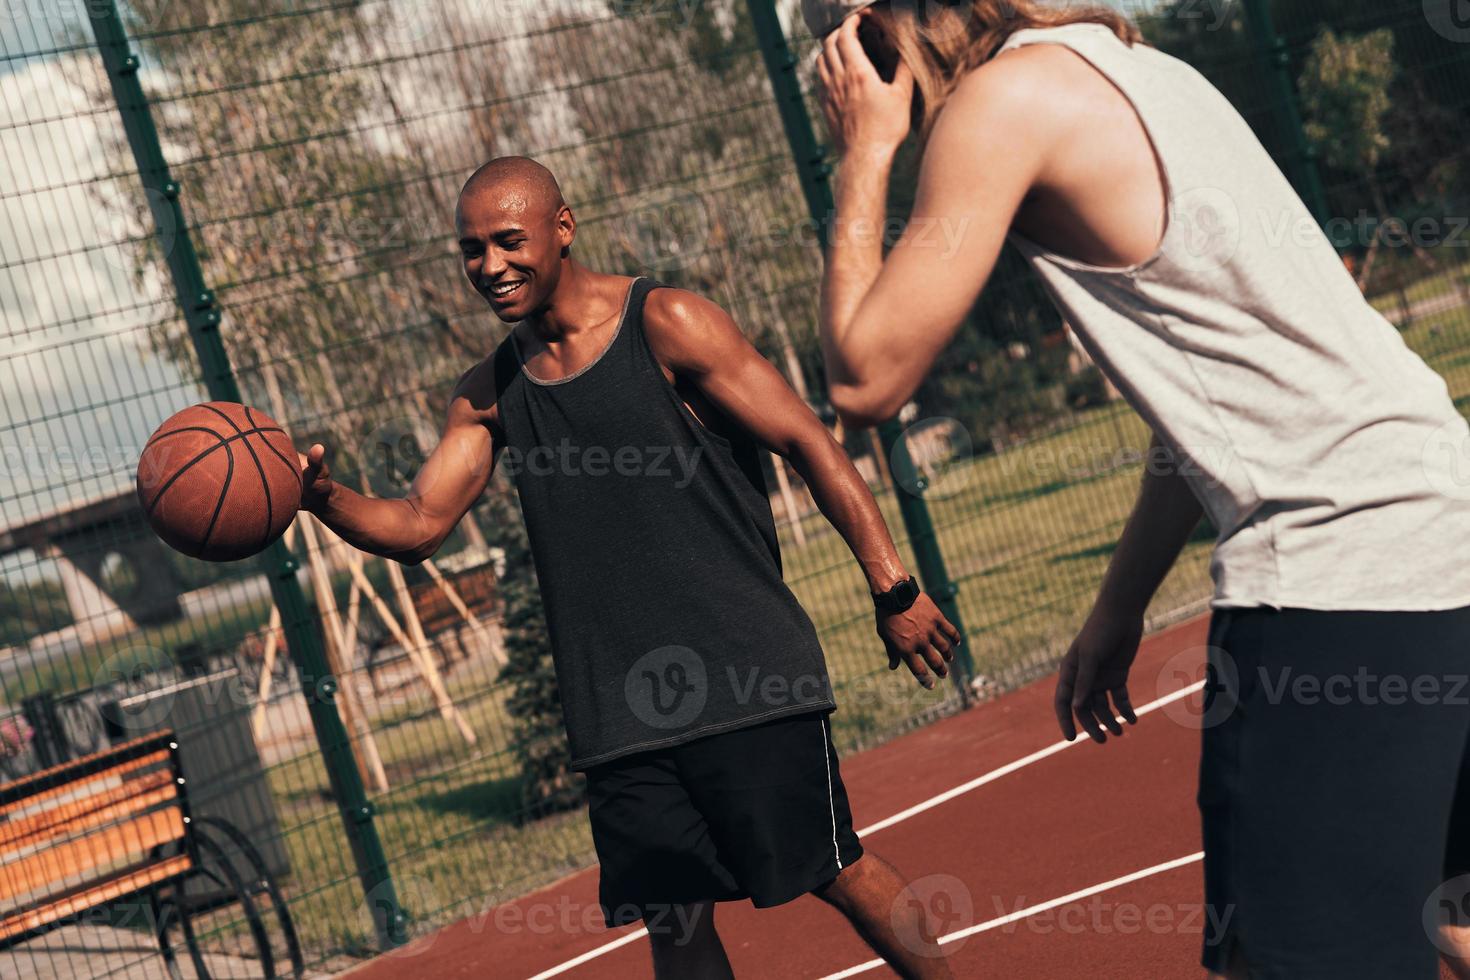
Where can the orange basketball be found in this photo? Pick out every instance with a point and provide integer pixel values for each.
(219, 481)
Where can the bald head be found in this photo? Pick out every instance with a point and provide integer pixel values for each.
(514, 184)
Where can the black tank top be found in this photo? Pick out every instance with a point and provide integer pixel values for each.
(656, 553)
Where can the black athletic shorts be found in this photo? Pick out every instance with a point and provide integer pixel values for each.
(1334, 790)
(756, 813)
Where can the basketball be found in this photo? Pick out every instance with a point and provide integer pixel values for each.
(219, 481)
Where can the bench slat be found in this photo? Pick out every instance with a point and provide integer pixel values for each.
(29, 787)
(90, 897)
(68, 818)
(96, 852)
(70, 788)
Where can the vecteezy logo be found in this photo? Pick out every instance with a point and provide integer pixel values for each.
(667, 229)
(931, 908)
(392, 453)
(942, 457)
(1208, 706)
(1206, 221)
(1448, 906)
(1449, 18)
(395, 907)
(1446, 459)
(667, 687)
(136, 680)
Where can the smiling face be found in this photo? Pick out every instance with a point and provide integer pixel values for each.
(514, 233)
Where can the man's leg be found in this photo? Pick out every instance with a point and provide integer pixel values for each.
(1326, 786)
(686, 945)
(878, 903)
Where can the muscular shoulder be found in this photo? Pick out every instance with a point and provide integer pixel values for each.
(687, 333)
(1019, 111)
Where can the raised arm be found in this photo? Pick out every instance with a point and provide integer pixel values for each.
(883, 322)
(698, 343)
(411, 528)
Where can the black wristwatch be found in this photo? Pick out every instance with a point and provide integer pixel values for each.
(898, 598)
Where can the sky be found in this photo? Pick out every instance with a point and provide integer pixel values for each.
(77, 389)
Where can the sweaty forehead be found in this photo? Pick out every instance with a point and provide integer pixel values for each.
(501, 203)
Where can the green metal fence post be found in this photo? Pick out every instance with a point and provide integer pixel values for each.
(203, 316)
(1288, 113)
(812, 170)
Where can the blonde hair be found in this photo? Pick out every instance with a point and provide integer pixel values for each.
(941, 40)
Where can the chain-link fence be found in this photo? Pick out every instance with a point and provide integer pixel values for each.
(309, 155)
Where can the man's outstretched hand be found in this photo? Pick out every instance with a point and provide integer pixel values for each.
(921, 637)
(1095, 669)
(316, 478)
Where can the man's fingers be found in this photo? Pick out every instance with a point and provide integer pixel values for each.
(1082, 711)
(1062, 700)
(1125, 704)
(952, 630)
(942, 643)
(1086, 672)
(1103, 712)
(832, 54)
(854, 58)
(1069, 727)
(935, 660)
(920, 671)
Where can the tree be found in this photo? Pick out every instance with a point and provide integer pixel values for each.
(1345, 90)
(540, 746)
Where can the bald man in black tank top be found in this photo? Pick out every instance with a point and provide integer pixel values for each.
(693, 686)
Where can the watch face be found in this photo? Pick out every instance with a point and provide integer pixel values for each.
(900, 597)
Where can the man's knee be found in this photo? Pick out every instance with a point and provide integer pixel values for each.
(843, 889)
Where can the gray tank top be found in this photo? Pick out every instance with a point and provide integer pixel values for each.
(656, 555)
(1327, 453)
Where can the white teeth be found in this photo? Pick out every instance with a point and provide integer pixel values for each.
(505, 288)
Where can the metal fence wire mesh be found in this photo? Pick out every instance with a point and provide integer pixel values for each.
(316, 151)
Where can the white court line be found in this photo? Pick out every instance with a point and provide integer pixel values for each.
(593, 954)
(1047, 906)
(1021, 763)
(929, 804)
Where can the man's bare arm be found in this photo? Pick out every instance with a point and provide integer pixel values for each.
(698, 341)
(884, 320)
(1164, 515)
(411, 528)
(1097, 664)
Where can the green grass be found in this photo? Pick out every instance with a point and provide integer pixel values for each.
(1427, 288)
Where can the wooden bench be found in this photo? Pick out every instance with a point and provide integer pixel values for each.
(113, 829)
(443, 625)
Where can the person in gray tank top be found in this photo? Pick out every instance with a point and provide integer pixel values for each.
(631, 417)
(1327, 453)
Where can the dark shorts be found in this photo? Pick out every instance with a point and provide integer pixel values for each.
(1334, 789)
(756, 813)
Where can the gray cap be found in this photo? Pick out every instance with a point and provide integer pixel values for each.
(823, 16)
